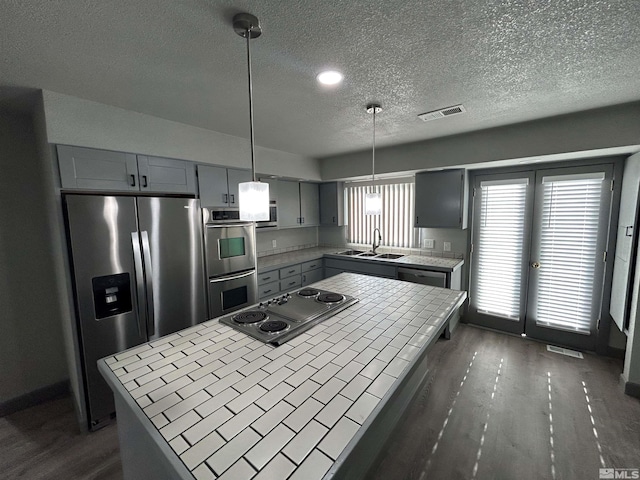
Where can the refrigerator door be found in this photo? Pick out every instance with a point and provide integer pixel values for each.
(100, 236)
(171, 239)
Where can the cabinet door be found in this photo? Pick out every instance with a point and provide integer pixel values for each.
(329, 204)
(288, 204)
(87, 168)
(212, 184)
(312, 276)
(309, 204)
(234, 178)
(440, 199)
(168, 175)
(273, 188)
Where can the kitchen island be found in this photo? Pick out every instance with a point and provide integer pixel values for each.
(210, 402)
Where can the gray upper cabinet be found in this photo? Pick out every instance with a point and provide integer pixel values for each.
(288, 204)
(309, 204)
(157, 174)
(441, 199)
(87, 168)
(332, 204)
(218, 186)
(273, 188)
(298, 204)
(91, 169)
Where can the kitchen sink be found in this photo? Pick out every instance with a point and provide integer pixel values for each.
(392, 256)
(351, 252)
(367, 254)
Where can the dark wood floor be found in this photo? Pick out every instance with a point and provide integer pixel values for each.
(454, 430)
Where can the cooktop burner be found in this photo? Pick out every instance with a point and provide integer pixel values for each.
(273, 326)
(330, 297)
(308, 292)
(250, 316)
(281, 318)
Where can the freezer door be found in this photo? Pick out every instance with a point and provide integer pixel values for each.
(171, 239)
(100, 237)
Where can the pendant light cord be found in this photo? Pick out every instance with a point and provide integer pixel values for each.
(373, 159)
(253, 158)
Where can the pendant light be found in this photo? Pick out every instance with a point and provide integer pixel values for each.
(373, 200)
(254, 196)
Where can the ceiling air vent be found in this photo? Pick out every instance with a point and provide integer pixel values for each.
(443, 112)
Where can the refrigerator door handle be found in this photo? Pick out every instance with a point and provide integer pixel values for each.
(148, 270)
(139, 273)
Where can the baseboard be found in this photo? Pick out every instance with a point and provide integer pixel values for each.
(632, 389)
(34, 398)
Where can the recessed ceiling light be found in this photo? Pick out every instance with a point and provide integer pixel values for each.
(330, 77)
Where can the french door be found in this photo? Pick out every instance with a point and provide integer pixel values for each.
(538, 252)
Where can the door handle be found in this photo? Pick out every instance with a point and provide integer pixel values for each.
(535, 265)
(629, 231)
(148, 270)
(133, 180)
(139, 275)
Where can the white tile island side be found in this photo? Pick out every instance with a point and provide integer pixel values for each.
(210, 402)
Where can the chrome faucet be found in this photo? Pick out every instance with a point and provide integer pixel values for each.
(374, 246)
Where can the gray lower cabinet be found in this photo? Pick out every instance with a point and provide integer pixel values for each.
(218, 186)
(441, 199)
(333, 266)
(92, 169)
(274, 282)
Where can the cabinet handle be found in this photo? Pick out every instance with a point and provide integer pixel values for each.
(267, 291)
(225, 198)
(133, 180)
(417, 220)
(233, 198)
(266, 278)
(292, 283)
(302, 220)
(144, 180)
(292, 271)
(312, 266)
(333, 220)
(304, 278)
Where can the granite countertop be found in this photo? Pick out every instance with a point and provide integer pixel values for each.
(233, 407)
(282, 260)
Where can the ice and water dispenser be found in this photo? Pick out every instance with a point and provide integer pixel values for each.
(111, 295)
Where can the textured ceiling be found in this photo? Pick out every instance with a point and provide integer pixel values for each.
(506, 60)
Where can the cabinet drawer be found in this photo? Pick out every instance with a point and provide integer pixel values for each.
(268, 277)
(290, 283)
(269, 290)
(311, 265)
(290, 271)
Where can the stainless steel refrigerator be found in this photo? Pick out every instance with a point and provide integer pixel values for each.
(138, 274)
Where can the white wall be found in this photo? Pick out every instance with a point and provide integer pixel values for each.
(31, 344)
(75, 121)
(591, 130)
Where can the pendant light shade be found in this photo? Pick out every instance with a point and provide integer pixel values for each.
(254, 196)
(373, 200)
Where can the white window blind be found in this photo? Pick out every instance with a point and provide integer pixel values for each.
(500, 246)
(395, 223)
(569, 233)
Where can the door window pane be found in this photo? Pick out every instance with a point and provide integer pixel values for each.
(500, 247)
(568, 251)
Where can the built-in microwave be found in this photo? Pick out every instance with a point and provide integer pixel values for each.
(273, 216)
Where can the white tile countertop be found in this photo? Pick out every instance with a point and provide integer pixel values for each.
(282, 260)
(233, 407)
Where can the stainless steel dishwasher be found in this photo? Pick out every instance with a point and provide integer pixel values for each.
(424, 277)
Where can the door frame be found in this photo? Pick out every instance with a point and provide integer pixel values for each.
(602, 335)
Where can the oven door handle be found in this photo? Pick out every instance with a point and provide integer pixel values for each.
(234, 276)
(227, 225)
